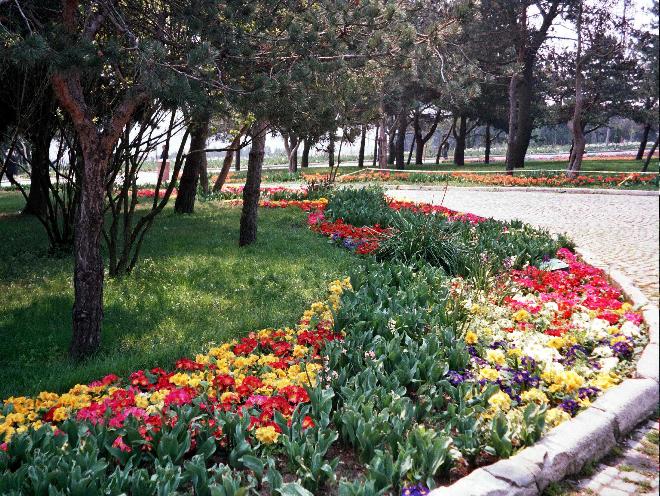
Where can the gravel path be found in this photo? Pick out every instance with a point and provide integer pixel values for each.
(621, 230)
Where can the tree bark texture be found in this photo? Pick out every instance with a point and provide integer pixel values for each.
(331, 151)
(382, 145)
(487, 145)
(642, 144)
(187, 192)
(248, 230)
(419, 141)
(363, 140)
(226, 163)
(374, 160)
(391, 147)
(402, 125)
(237, 161)
(40, 174)
(575, 124)
(304, 160)
(459, 135)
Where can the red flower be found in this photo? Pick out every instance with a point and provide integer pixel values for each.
(224, 382)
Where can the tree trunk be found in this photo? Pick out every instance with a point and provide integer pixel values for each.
(187, 192)
(391, 147)
(248, 232)
(402, 125)
(487, 150)
(374, 159)
(305, 153)
(88, 265)
(642, 144)
(331, 151)
(237, 160)
(363, 139)
(291, 145)
(575, 125)
(459, 150)
(650, 155)
(226, 163)
(419, 141)
(40, 173)
(382, 145)
(204, 175)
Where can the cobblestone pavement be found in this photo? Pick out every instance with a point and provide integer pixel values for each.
(631, 469)
(620, 230)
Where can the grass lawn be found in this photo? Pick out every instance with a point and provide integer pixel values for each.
(193, 286)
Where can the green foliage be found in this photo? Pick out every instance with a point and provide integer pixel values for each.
(359, 207)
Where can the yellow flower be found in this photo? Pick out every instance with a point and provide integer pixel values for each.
(515, 352)
(299, 351)
(556, 342)
(556, 416)
(489, 374)
(534, 395)
(60, 414)
(500, 401)
(605, 380)
(617, 339)
(521, 315)
(496, 356)
(471, 338)
(141, 401)
(267, 435)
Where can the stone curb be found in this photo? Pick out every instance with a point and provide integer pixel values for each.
(590, 435)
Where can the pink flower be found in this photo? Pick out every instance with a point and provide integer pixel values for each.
(119, 443)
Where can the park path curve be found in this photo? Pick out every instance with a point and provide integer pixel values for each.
(620, 230)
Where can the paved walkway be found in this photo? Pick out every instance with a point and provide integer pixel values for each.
(621, 230)
(632, 469)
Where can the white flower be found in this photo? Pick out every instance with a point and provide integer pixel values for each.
(607, 364)
(629, 329)
(551, 306)
(602, 351)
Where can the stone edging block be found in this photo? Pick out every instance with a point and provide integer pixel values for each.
(590, 435)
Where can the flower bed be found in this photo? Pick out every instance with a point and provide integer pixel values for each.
(551, 180)
(454, 345)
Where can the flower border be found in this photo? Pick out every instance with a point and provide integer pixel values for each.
(587, 437)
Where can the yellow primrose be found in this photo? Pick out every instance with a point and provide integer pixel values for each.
(489, 374)
(605, 380)
(500, 401)
(534, 395)
(515, 352)
(60, 414)
(556, 416)
(267, 435)
(471, 338)
(556, 342)
(521, 315)
(496, 357)
(300, 351)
